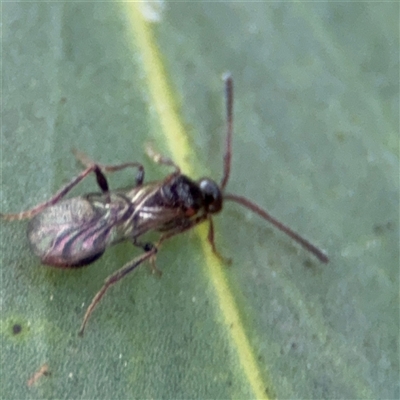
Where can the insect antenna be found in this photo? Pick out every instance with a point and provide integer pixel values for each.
(282, 227)
(229, 127)
(244, 201)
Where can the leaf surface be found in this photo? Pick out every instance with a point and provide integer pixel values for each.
(315, 143)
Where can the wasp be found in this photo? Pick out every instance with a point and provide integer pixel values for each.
(75, 232)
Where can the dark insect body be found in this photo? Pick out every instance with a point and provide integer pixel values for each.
(76, 232)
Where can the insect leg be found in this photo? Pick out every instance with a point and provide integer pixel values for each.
(91, 166)
(111, 280)
(192, 224)
(180, 229)
(60, 194)
(210, 238)
(160, 159)
(147, 246)
(87, 162)
(174, 231)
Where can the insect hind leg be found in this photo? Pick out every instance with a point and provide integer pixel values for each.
(91, 167)
(59, 195)
(113, 279)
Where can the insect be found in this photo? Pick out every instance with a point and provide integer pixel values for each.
(75, 232)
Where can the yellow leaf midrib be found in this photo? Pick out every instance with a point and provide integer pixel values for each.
(164, 103)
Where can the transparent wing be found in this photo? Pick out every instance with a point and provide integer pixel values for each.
(70, 233)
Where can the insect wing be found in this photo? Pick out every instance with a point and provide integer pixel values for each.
(71, 233)
(158, 219)
(152, 212)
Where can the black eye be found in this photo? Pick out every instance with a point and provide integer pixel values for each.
(211, 194)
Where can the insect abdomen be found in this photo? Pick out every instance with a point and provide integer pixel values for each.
(71, 233)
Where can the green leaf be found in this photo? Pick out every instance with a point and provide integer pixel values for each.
(315, 143)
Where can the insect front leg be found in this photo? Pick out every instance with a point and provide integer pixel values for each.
(210, 238)
(160, 159)
(112, 279)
